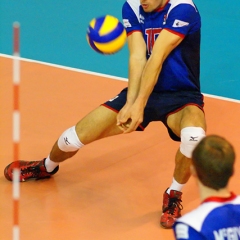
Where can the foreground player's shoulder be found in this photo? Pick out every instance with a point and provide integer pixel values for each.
(130, 15)
(196, 217)
(183, 231)
(189, 225)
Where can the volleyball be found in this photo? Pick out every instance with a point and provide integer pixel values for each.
(106, 34)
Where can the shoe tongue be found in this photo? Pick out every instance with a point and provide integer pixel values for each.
(175, 194)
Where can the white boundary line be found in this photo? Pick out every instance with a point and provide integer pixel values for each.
(67, 68)
(105, 75)
(222, 98)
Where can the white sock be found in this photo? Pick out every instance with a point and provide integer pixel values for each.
(50, 165)
(175, 186)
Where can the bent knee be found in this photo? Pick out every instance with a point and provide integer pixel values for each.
(69, 141)
(190, 137)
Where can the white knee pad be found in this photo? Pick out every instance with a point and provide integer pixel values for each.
(69, 141)
(190, 136)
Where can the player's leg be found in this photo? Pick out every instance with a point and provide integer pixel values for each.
(189, 124)
(98, 124)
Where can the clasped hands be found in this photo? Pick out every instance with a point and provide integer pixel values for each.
(129, 117)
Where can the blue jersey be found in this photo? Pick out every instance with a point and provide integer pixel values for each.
(180, 70)
(215, 219)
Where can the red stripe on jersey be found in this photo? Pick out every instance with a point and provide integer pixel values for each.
(176, 33)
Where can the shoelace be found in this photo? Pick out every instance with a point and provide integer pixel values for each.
(173, 204)
(33, 170)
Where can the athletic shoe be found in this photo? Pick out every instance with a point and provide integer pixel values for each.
(29, 170)
(171, 209)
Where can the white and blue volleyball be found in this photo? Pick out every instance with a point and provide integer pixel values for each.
(106, 34)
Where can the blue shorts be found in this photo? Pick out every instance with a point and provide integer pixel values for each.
(159, 106)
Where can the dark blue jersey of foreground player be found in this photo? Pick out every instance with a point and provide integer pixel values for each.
(180, 71)
(215, 219)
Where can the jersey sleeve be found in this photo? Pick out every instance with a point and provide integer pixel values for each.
(183, 231)
(183, 19)
(130, 15)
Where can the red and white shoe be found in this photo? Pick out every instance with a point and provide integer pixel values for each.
(171, 209)
(29, 170)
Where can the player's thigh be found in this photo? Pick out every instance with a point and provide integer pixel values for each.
(189, 116)
(98, 124)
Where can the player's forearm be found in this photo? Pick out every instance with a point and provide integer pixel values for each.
(136, 67)
(137, 61)
(148, 80)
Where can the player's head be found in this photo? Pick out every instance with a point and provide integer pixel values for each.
(213, 160)
(151, 5)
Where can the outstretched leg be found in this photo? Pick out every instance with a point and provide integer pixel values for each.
(99, 123)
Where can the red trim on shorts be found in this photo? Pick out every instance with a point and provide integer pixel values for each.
(116, 111)
(104, 105)
(179, 109)
(140, 126)
(129, 33)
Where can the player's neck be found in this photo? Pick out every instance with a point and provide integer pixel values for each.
(163, 3)
(206, 192)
